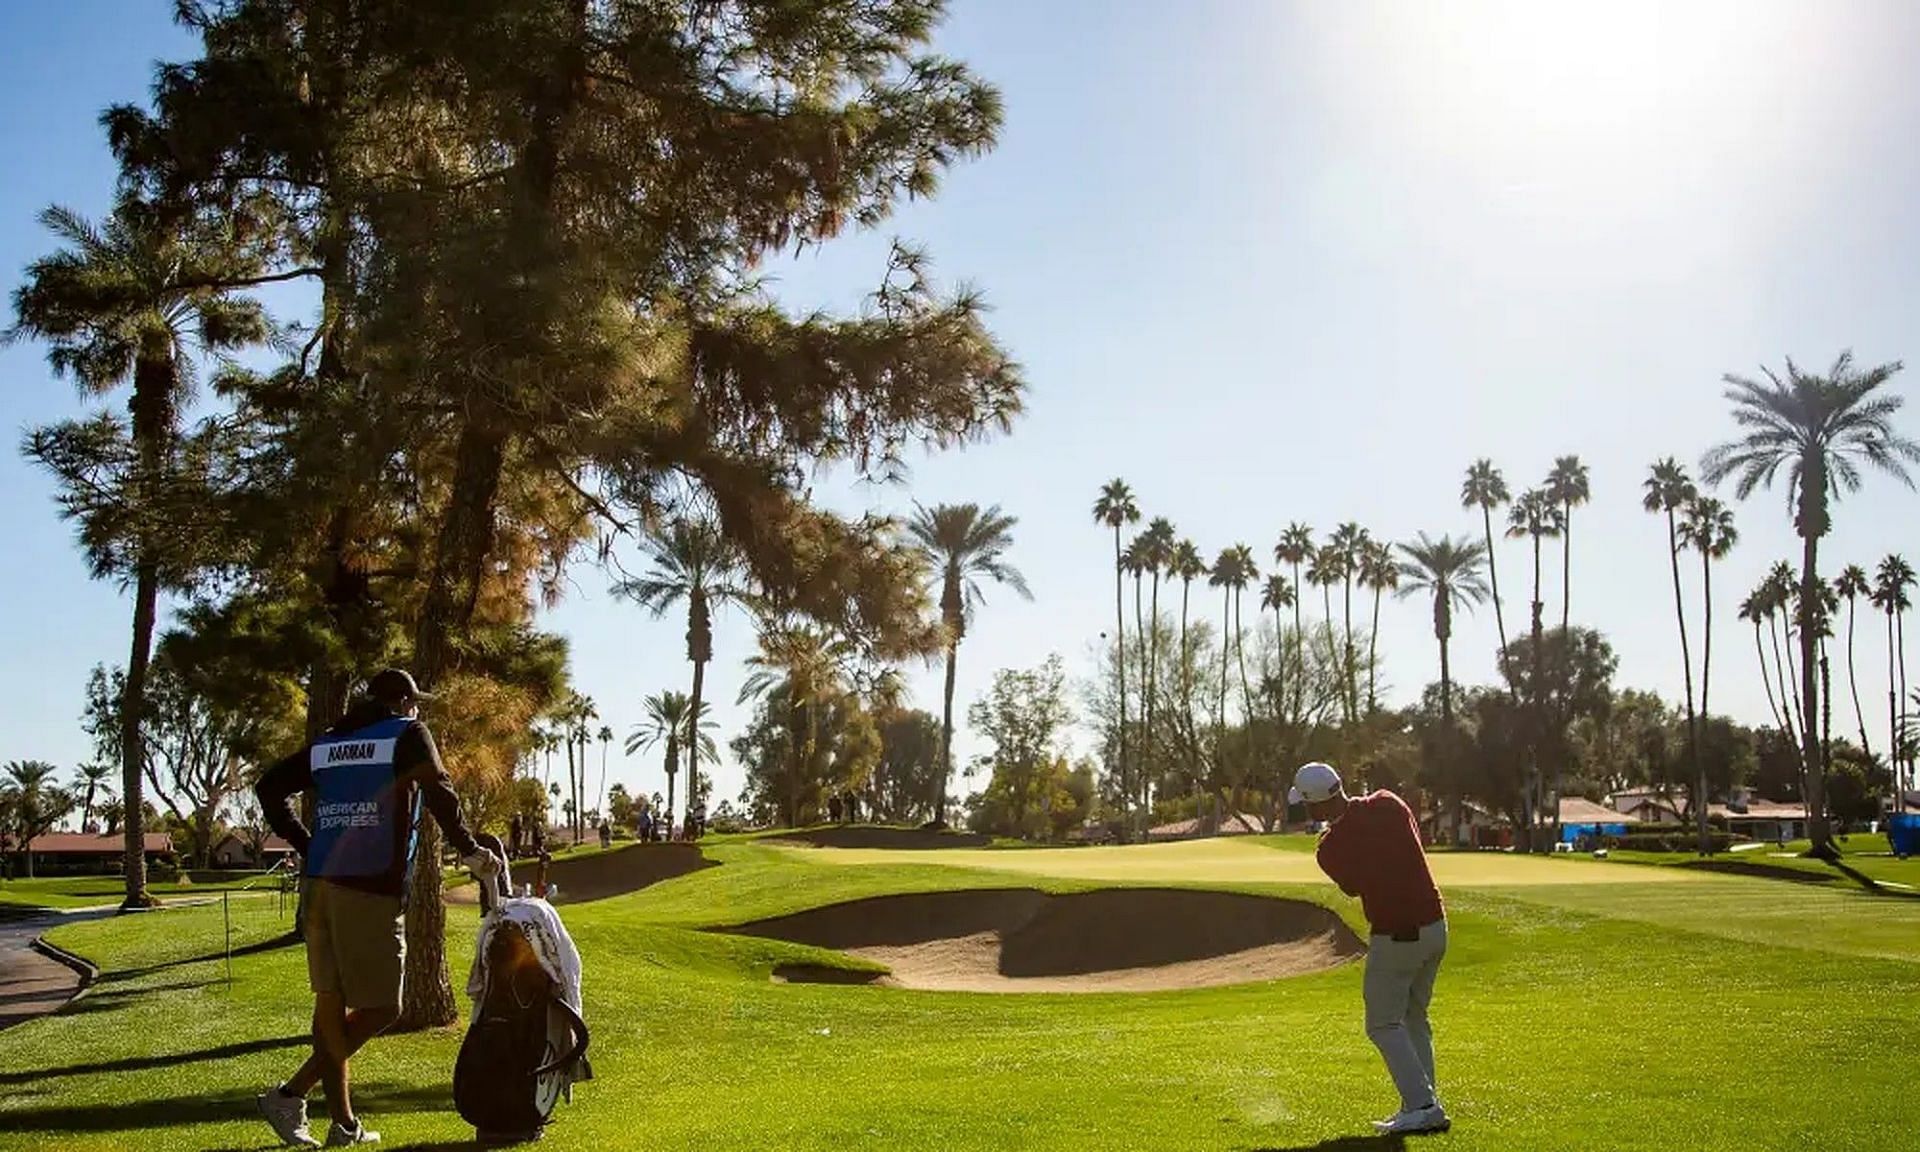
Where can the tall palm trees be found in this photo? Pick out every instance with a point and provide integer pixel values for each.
(1379, 572)
(806, 664)
(1350, 539)
(1486, 489)
(1667, 489)
(1850, 585)
(1567, 487)
(1115, 508)
(964, 544)
(669, 723)
(694, 563)
(1535, 516)
(92, 784)
(1708, 530)
(1755, 609)
(1891, 580)
(1323, 572)
(1277, 594)
(1820, 429)
(1232, 571)
(127, 301)
(1186, 566)
(1449, 571)
(1157, 546)
(1295, 548)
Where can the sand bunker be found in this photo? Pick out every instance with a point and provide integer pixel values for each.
(602, 874)
(1021, 940)
(874, 836)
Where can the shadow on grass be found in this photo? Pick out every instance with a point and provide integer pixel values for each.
(143, 1063)
(1377, 1143)
(285, 940)
(118, 997)
(211, 1108)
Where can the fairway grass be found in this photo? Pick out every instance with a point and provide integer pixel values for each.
(1584, 1005)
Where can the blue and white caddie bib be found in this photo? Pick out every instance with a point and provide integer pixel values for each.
(358, 802)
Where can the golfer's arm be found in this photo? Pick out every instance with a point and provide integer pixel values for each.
(277, 787)
(423, 766)
(1338, 867)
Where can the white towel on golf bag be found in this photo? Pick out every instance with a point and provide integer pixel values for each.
(541, 925)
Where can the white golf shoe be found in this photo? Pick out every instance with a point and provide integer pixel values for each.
(1432, 1118)
(338, 1137)
(287, 1115)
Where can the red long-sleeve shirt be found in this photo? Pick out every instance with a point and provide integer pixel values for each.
(1373, 851)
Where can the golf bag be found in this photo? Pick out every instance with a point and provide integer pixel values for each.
(526, 1045)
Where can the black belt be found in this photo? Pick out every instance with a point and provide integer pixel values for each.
(1409, 935)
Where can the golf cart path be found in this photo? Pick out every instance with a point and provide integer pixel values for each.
(31, 985)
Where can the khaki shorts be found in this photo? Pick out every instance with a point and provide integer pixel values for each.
(356, 944)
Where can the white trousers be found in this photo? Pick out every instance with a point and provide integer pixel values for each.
(1398, 988)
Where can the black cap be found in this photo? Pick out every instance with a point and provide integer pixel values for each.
(394, 685)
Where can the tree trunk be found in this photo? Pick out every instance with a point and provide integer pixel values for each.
(1373, 647)
(1686, 667)
(1119, 671)
(699, 651)
(1153, 687)
(133, 749)
(1538, 719)
(1186, 675)
(946, 733)
(1893, 700)
(1566, 566)
(1818, 829)
(1905, 753)
(1352, 699)
(1442, 616)
(1766, 674)
(464, 542)
(1853, 688)
(672, 769)
(1493, 577)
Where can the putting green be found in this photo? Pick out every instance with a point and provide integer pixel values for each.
(1226, 861)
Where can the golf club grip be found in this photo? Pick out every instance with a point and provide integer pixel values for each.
(581, 1036)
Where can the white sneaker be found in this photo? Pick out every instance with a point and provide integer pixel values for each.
(1432, 1118)
(338, 1137)
(287, 1115)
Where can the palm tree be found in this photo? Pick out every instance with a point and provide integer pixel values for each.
(1116, 509)
(27, 787)
(1486, 489)
(606, 738)
(1891, 581)
(1754, 609)
(1708, 529)
(1323, 571)
(1231, 573)
(1248, 571)
(1851, 584)
(1449, 571)
(1778, 595)
(1668, 489)
(1380, 573)
(1351, 540)
(1133, 560)
(1567, 487)
(1157, 544)
(1186, 565)
(1537, 517)
(691, 561)
(130, 301)
(1295, 548)
(962, 544)
(669, 723)
(1820, 428)
(1275, 595)
(93, 778)
(806, 663)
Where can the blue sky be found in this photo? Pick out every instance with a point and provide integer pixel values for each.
(1270, 262)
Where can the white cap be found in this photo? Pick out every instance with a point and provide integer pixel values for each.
(1313, 784)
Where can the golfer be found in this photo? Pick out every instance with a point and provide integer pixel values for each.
(1371, 849)
(370, 773)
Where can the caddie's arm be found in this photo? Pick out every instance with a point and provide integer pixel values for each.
(417, 758)
(277, 787)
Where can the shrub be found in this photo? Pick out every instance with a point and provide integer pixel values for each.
(1673, 841)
